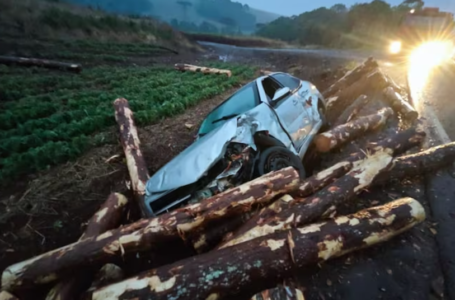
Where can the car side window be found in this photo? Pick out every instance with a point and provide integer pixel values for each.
(286, 80)
(270, 87)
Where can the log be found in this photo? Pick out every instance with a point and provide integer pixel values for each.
(351, 77)
(204, 70)
(4, 295)
(251, 267)
(36, 62)
(109, 216)
(147, 234)
(307, 210)
(398, 104)
(371, 83)
(420, 163)
(351, 112)
(337, 136)
(280, 293)
(137, 168)
(265, 72)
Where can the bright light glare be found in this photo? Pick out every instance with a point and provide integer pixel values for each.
(423, 60)
(395, 47)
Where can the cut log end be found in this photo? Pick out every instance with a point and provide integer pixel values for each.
(323, 143)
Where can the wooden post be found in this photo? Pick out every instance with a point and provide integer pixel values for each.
(337, 136)
(135, 161)
(150, 233)
(109, 216)
(36, 62)
(251, 267)
(204, 70)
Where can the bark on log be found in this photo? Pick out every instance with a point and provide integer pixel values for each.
(108, 274)
(4, 295)
(400, 105)
(352, 76)
(351, 112)
(254, 266)
(204, 70)
(36, 62)
(149, 233)
(108, 217)
(371, 83)
(420, 163)
(280, 293)
(135, 161)
(307, 210)
(339, 135)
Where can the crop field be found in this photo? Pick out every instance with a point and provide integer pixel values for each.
(50, 117)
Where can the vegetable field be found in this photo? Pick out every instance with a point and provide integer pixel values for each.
(49, 117)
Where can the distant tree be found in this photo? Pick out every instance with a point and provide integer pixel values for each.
(185, 5)
(413, 4)
(339, 8)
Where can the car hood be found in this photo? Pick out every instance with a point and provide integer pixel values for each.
(193, 163)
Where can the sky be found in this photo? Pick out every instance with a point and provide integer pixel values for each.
(296, 7)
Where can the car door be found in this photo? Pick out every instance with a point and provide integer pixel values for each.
(293, 110)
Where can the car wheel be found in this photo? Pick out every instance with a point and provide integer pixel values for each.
(276, 158)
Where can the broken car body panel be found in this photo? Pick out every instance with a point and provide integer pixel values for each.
(293, 120)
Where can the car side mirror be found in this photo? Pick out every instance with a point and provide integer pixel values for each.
(281, 93)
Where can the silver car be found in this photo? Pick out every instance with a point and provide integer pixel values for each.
(267, 125)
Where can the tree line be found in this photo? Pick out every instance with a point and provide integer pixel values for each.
(339, 26)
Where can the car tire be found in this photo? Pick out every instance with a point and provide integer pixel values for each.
(276, 158)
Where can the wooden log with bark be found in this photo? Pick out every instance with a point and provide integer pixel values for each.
(287, 214)
(420, 163)
(251, 267)
(108, 217)
(204, 70)
(401, 106)
(370, 84)
(36, 62)
(351, 77)
(108, 274)
(135, 161)
(4, 295)
(150, 233)
(339, 135)
(280, 293)
(351, 111)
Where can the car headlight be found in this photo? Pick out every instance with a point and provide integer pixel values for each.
(395, 47)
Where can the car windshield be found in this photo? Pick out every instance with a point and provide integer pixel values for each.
(242, 101)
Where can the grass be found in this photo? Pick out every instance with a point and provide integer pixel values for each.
(48, 118)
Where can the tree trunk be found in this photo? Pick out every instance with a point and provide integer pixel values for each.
(150, 233)
(36, 62)
(129, 138)
(280, 293)
(4, 295)
(420, 163)
(251, 267)
(307, 210)
(371, 83)
(400, 105)
(351, 112)
(337, 136)
(205, 70)
(351, 77)
(108, 217)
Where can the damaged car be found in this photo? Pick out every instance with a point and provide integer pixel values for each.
(265, 126)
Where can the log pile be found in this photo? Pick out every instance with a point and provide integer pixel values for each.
(250, 238)
(204, 70)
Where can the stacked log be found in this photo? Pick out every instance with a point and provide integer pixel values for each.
(250, 267)
(36, 62)
(400, 105)
(204, 70)
(351, 111)
(150, 233)
(108, 217)
(339, 135)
